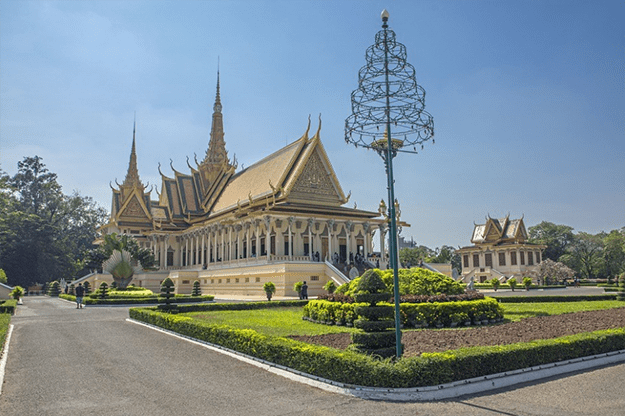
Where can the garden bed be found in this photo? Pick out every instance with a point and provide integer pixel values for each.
(530, 329)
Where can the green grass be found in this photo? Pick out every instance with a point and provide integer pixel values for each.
(517, 311)
(279, 322)
(288, 321)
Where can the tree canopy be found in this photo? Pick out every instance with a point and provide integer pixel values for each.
(43, 232)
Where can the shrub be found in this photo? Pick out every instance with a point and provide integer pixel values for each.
(413, 315)
(167, 289)
(330, 286)
(17, 292)
(495, 283)
(418, 281)
(527, 282)
(87, 287)
(375, 319)
(5, 320)
(103, 291)
(512, 282)
(8, 307)
(298, 288)
(270, 289)
(196, 289)
(429, 369)
(54, 289)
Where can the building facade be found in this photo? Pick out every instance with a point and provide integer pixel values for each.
(500, 250)
(282, 219)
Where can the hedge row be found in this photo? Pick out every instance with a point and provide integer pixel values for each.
(518, 287)
(359, 369)
(8, 306)
(536, 299)
(138, 300)
(413, 315)
(5, 320)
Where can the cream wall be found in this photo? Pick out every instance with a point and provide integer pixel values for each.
(5, 291)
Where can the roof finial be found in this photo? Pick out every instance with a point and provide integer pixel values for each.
(217, 106)
(132, 177)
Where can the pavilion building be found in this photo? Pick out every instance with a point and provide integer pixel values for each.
(282, 219)
(500, 250)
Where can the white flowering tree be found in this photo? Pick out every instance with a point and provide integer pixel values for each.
(553, 271)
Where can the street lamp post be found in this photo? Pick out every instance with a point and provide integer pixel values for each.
(388, 95)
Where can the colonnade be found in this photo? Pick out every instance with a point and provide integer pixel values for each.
(270, 237)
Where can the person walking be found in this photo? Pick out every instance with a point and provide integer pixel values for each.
(80, 292)
(304, 291)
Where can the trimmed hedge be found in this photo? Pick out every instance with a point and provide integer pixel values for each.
(8, 306)
(359, 369)
(137, 300)
(413, 315)
(5, 320)
(536, 299)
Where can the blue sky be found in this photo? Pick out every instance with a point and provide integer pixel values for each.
(528, 98)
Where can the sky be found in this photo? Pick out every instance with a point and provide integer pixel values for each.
(528, 99)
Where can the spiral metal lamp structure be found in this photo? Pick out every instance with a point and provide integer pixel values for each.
(388, 97)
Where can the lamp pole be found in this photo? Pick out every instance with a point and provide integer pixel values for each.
(388, 95)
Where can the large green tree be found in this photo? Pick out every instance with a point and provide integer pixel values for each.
(585, 255)
(614, 253)
(415, 255)
(556, 237)
(43, 233)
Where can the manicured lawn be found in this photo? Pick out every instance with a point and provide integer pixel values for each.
(518, 311)
(288, 321)
(274, 321)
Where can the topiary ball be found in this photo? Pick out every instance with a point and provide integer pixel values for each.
(371, 282)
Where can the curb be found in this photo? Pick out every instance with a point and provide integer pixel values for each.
(5, 356)
(478, 385)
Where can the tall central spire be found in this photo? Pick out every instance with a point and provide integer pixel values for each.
(132, 177)
(216, 153)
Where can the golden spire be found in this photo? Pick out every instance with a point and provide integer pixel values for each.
(132, 177)
(216, 153)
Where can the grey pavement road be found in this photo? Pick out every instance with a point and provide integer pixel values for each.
(64, 361)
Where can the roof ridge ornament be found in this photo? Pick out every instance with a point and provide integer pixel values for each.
(305, 136)
(316, 136)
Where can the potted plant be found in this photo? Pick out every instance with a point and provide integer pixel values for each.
(270, 289)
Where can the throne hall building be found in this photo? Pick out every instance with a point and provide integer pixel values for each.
(282, 219)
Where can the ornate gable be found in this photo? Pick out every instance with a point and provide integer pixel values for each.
(134, 209)
(315, 182)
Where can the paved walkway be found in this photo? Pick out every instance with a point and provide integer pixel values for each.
(64, 361)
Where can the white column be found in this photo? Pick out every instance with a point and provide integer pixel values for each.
(248, 240)
(290, 242)
(382, 253)
(181, 245)
(257, 223)
(330, 236)
(365, 228)
(203, 258)
(239, 251)
(310, 243)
